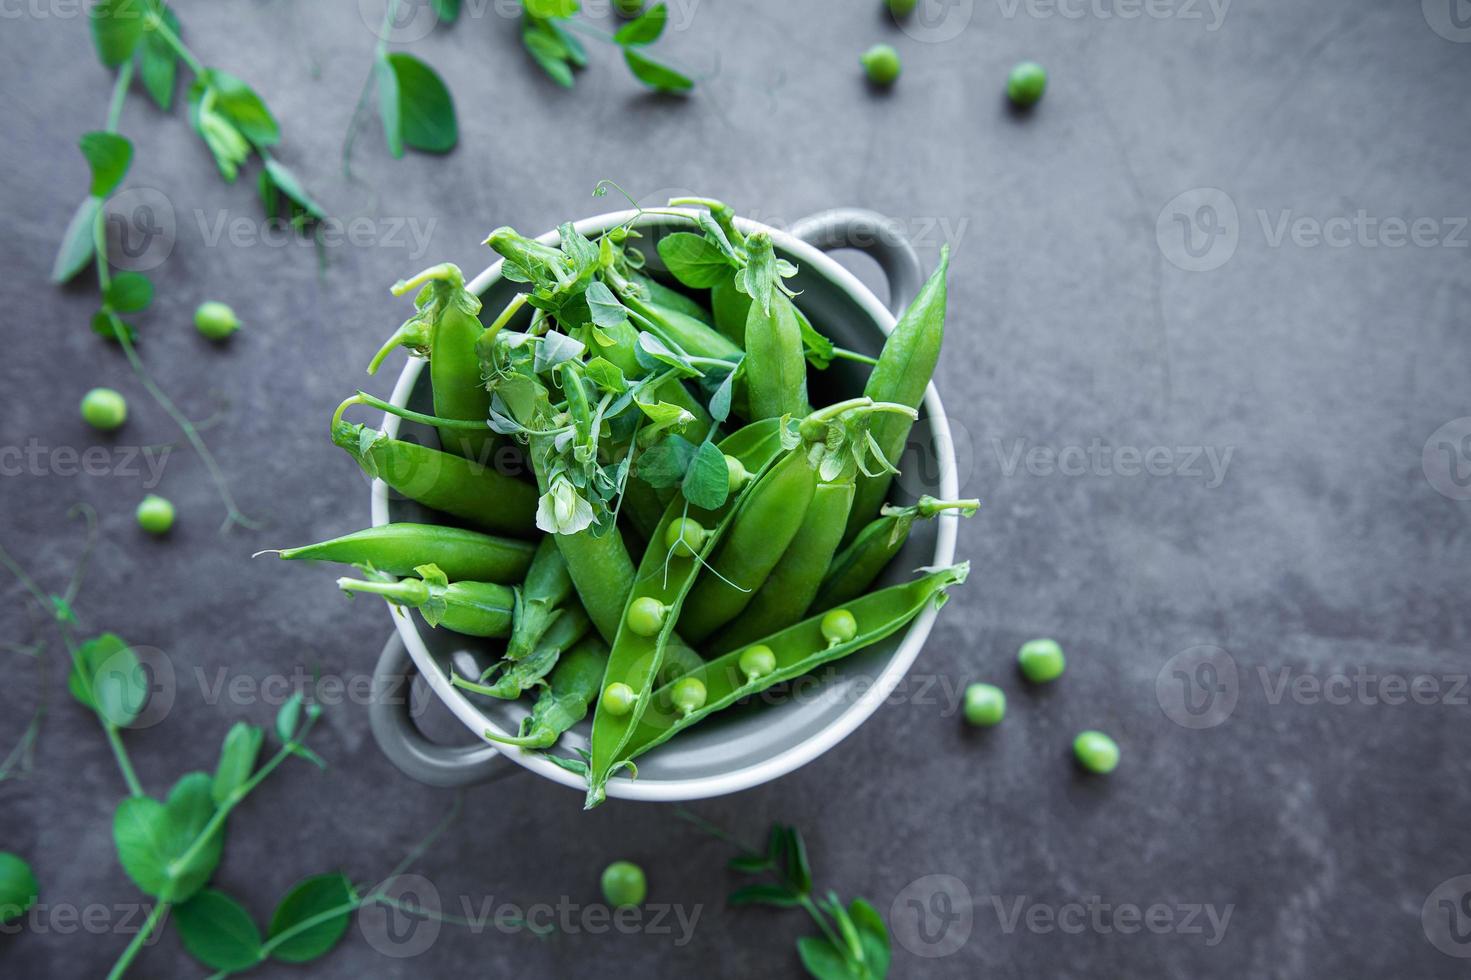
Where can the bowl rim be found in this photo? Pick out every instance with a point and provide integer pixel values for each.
(858, 710)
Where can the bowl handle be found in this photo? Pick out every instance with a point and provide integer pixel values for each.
(873, 234)
(389, 714)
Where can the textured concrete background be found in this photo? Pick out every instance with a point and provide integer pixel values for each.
(1329, 556)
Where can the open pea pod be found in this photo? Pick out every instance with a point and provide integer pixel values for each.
(664, 579)
(785, 655)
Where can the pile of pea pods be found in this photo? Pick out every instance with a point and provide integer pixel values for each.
(697, 531)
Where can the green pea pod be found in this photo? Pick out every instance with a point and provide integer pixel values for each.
(663, 581)
(573, 685)
(731, 307)
(547, 588)
(770, 515)
(681, 330)
(400, 548)
(903, 372)
(471, 608)
(672, 299)
(776, 370)
(856, 567)
(797, 650)
(787, 592)
(441, 480)
(507, 680)
(600, 565)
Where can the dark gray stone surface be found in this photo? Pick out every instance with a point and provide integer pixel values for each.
(1319, 815)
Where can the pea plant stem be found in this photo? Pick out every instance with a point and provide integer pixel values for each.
(390, 14)
(119, 93)
(141, 937)
(157, 23)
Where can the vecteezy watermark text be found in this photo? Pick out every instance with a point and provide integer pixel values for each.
(1211, 12)
(1101, 459)
(35, 458)
(411, 234)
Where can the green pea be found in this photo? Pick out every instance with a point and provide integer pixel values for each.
(624, 885)
(882, 64)
(1041, 660)
(902, 8)
(155, 514)
(104, 409)
(839, 626)
(216, 320)
(646, 615)
(1025, 85)
(1096, 752)
(757, 661)
(685, 537)
(618, 698)
(688, 694)
(985, 705)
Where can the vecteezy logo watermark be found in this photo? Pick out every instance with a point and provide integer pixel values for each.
(1208, 463)
(1446, 459)
(1446, 917)
(934, 21)
(1198, 688)
(141, 229)
(1451, 19)
(932, 916)
(919, 460)
(407, 920)
(1198, 230)
(411, 234)
(36, 458)
(1211, 12)
(1097, 917)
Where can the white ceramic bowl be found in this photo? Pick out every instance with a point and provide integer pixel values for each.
(743, 746)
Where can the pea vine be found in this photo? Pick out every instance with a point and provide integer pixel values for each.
(171, 847)
(853, 942)
(417, 109)
(142, 38)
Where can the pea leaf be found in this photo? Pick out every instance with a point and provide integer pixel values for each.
(117, 25)
(307, 899)
(660, 77)
(447, 11)
(650, 352)
(108, 154)
(238, 755)
(79, 242)
(749, 864)
(644, 29)
(152, 839)
(423, 112)
(18, 887)
(288, 717)
(773, 895)
(873, 935)
(129, 292)
(819, 350)
(390, 110)
(720, 400)
(107, 677)
(606, 375)
(799, 872)
(105, 326)
(665, 463)
(218, 932)
(707, 482)
(238, 103)
(604, 307)
(551, 8)
(158, 62)
(285, 181)
(576, 53)
(556, 348)
(549, 51)
(822, 959)
(693, 260)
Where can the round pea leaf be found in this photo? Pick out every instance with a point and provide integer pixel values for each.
(646, 28)
(107, 677)
(693, 260)
(822, 959)
(417, 108)
(246, 110)
(18, 887)
(655, 75)
(129, 292)
(313, 897)
(237, 759)
(117, 26)
(218, 932)
(108, 154)
(152, 838)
